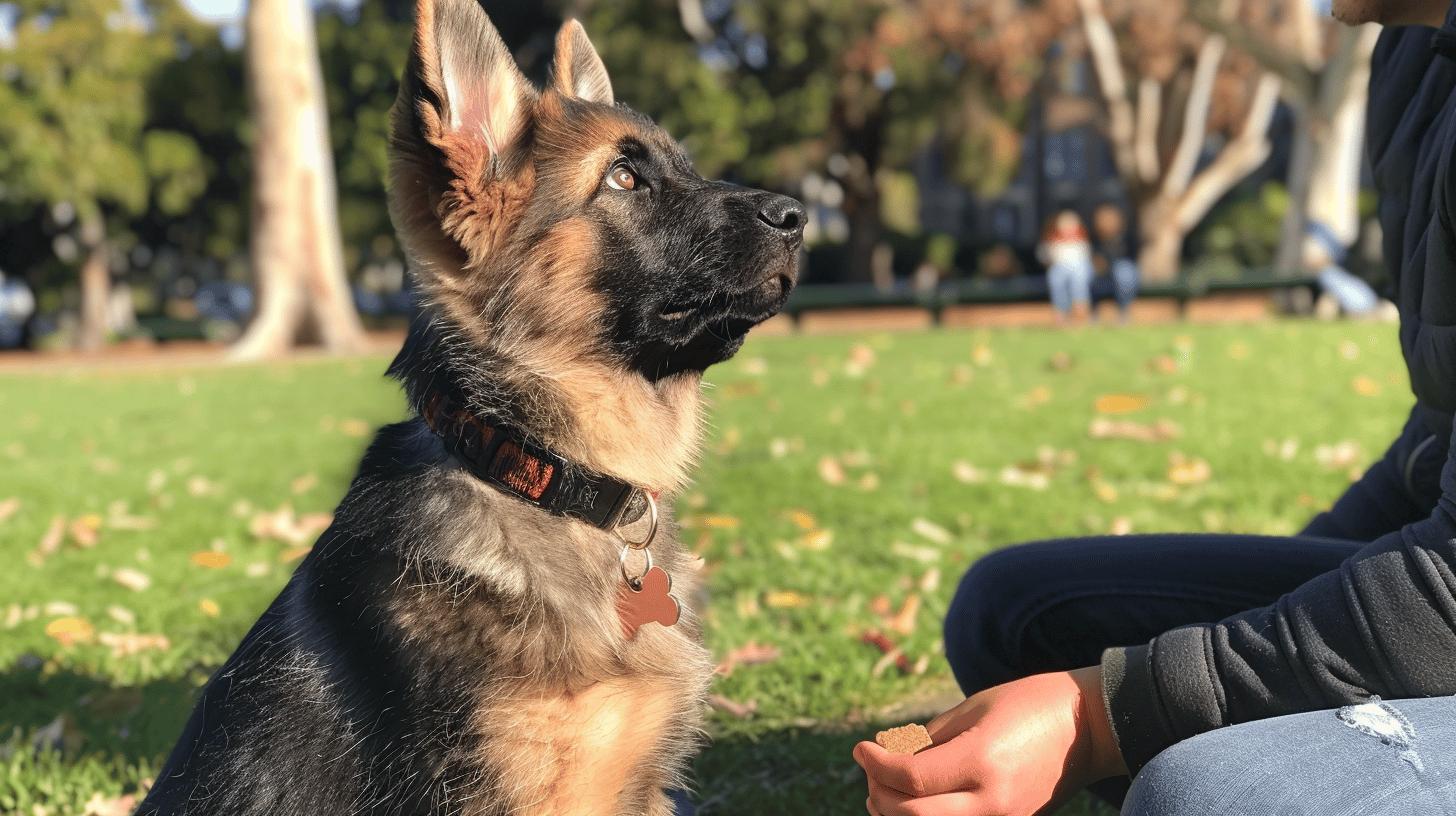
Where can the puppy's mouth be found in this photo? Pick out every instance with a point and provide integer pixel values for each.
(755, 304)
(696, 333)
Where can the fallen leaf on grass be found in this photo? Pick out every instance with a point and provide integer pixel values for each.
(1120, 403)
(1161, 431)
(967, 473)
(930, 530)
(802, 519)
(925, 555)
(751, 653)
(1365, 386)
(1184, 471)
(292, 554)
(817, 540)
(121, 615)
(785, 599)
(199, 486)
(70, 631)
(126, 644)
(209, 607)
(211, 559)
(282, 525)
(99, 805)
(8, 508)
(930, 581)
(84, 529)
(720, 522)
(354, 427)
(1021, 476)
(304, 483)
(1037, 396)
(50, 542)
(831, 471)
(1121, 526)
(903, 621)
(732, 708)
(1340, 455)
(132, 579)
(891, 654)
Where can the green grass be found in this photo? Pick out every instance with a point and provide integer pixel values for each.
(198, 453)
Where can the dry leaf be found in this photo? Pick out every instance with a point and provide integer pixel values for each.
(70, 631)
(720, 522)
(869, 482)
(1184, 471)
(831, 471)
(930, 530)
(925, 555)
(1022, 476)
(741, 711)
(99, 805)
(1365, 386)
(817, 540)
(292, 554)
(967, 473)
(8, 508)
(802, 519)
(83, 530)
(209, 607)
(121, 615)
(134, 580)
(211, 559)
(1160, 431)
(785, 599)
(126, 645)
(903, 621)
(304, 483)
(930, 581)
(1120, 403)
(50, 541)
(751, 653)
(354, 427)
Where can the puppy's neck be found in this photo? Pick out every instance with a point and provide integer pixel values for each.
(609, 420)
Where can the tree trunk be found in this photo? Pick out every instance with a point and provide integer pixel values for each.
(296, 251)
(1160, 253)
(95, 293)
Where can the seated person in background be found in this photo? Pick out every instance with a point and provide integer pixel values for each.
(1068, 256)
(1112, 244)
(1247, 675)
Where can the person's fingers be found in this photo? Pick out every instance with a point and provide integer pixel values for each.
(938, 769)
(884, 801)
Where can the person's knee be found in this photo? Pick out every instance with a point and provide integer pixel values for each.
(978, 645)
(1176, 781)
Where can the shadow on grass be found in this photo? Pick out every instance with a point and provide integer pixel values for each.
(797, 771)
(86, 714)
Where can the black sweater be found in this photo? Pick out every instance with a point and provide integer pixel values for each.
(1385, 621)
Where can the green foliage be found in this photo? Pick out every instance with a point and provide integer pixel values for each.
(199, 452)
(75, 92)
(1244, 231)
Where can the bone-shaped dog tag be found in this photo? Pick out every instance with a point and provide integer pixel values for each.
(649, 602)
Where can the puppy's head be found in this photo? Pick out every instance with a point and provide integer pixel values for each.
(566, 233)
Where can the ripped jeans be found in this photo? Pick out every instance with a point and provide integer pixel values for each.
(1374, 759)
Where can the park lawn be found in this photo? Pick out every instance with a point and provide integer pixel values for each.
(838, 470)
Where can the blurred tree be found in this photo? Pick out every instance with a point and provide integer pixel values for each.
(295, 249)
(1325, 68)
(1160, 149)
(78, 143)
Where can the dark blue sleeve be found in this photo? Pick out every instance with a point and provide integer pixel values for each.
(1383, 623)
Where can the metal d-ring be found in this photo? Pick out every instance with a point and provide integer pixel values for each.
(634, 583)
(651, 527)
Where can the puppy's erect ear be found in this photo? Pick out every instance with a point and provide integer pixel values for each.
(578, 72)
(478, 90)
(457, 128)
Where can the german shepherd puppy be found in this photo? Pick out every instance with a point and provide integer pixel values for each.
(466, 637)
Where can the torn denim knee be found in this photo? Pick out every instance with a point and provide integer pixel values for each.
(1379, 719)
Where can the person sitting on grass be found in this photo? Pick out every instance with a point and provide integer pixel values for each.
(1240, 674)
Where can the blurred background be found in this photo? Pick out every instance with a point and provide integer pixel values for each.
(933, 140)
(189, 183)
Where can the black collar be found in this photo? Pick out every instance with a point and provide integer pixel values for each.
(506, 459)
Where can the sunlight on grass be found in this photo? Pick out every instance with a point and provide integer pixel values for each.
(149, 516)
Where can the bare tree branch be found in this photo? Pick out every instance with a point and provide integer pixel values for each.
(1238, 158)
(1299, 79)
(1149, 115)
(1110, 77)
(1195, 117)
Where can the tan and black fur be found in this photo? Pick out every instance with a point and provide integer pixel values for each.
(447, 648)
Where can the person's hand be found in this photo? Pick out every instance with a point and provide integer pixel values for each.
(1008, 751)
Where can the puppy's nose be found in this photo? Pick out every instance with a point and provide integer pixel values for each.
(784, 215)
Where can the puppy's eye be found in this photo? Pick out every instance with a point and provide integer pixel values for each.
(621, 177)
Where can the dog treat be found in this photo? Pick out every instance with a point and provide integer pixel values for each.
(907, 739)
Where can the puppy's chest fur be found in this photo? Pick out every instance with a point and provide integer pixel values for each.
(447, 649)
(562, 712)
